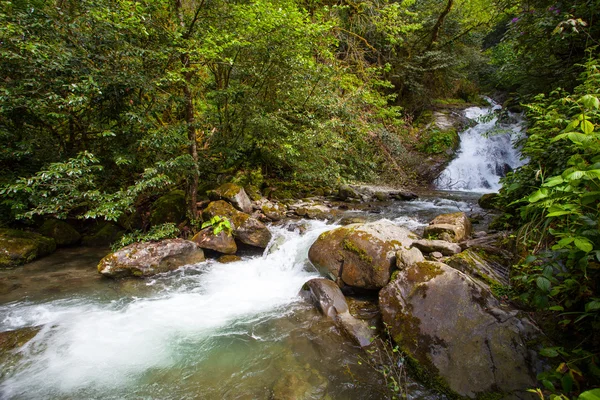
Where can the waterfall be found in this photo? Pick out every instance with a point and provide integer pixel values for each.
(484, 155)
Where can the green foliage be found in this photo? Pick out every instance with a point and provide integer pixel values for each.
(218, 224)
(436, 141)
(156, 233)
(556, 201)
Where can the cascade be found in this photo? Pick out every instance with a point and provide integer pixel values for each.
(484, 155)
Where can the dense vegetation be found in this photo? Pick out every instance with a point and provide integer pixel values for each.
(106, 104)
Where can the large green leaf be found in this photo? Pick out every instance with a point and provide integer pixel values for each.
(593, 394)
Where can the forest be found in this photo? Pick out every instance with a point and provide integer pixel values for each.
(108, 105)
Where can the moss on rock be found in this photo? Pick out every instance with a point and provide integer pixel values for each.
(169, 208)
(20, 247)
(62, 233)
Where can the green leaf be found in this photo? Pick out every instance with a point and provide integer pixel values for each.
(590, 101)
(541, 193)
(593, 305)
(543, 283)
(587, 127)
(593, 394)
(549, 352)
(206, 224)
(583, 244)
(567, 383)
(556, 308)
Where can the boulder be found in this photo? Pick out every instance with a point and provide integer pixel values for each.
(315, 211)
(452, 227)
(246, 229)
(406, 258)
(360, 255)
(456, 334)
(253, 192)
(488, 201)
(222, 243)
(431, 246)
(234, 194)
(346, 192)
(490, 268)
(273, 211)
(150, 258)
(171, 207)
(62, 233)
(10, 341)
(104, 234)
(20, 247)
(331, 302)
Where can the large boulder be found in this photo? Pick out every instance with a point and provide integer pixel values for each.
(169, 208)
(20, 247)
(330, 300)
(453, 227)
(223, 242)
(315, 211)
(234, 194)
(456, 334)
(246, 229)
(360, 255)
(150, 258)
(346, 192)
(62, 233)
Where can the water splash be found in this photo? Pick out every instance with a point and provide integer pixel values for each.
(483, 158)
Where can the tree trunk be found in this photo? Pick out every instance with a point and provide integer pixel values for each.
(438, 25)
(192, 189)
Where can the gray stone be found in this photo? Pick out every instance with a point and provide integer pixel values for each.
(456, 330)
(330, 300)
(441, 246)
(146, 259)
(405, 258)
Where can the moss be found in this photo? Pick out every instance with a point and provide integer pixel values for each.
(20, 247)
(348, 245)
(62, 233)
(424, 271)
(253, 192)
(169, 208)
(105, 234)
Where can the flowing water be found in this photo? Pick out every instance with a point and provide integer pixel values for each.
(486, 153)
(211, 330)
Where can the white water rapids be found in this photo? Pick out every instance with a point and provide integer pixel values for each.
(482, 159)
(87, 346)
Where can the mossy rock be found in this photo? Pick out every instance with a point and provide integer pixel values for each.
(105, 234)
(456, 334)
(234, 194)
(246, 229)
(169, 208)
(488, 201)
(361, 255)
(10, 342)
(20, 247)
(62, 233)
(253, 192)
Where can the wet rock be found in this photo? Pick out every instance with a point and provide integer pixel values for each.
(454, 331)
(452, 227)
(62, 233)
(274, 211)
(246, 229)
(331, 302)
(381, 196)
(352, 220)
(169, 208)
(10, 341)
(301, 384)
(104, 234)
(226, 259)
(361, 255)
(315, 211)
(490, 268)
(431, 246)
(146, 259)
(20, 247)
(234, 194)
(488, 201)
(407, 257)
(436, 255)
(222, 243)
